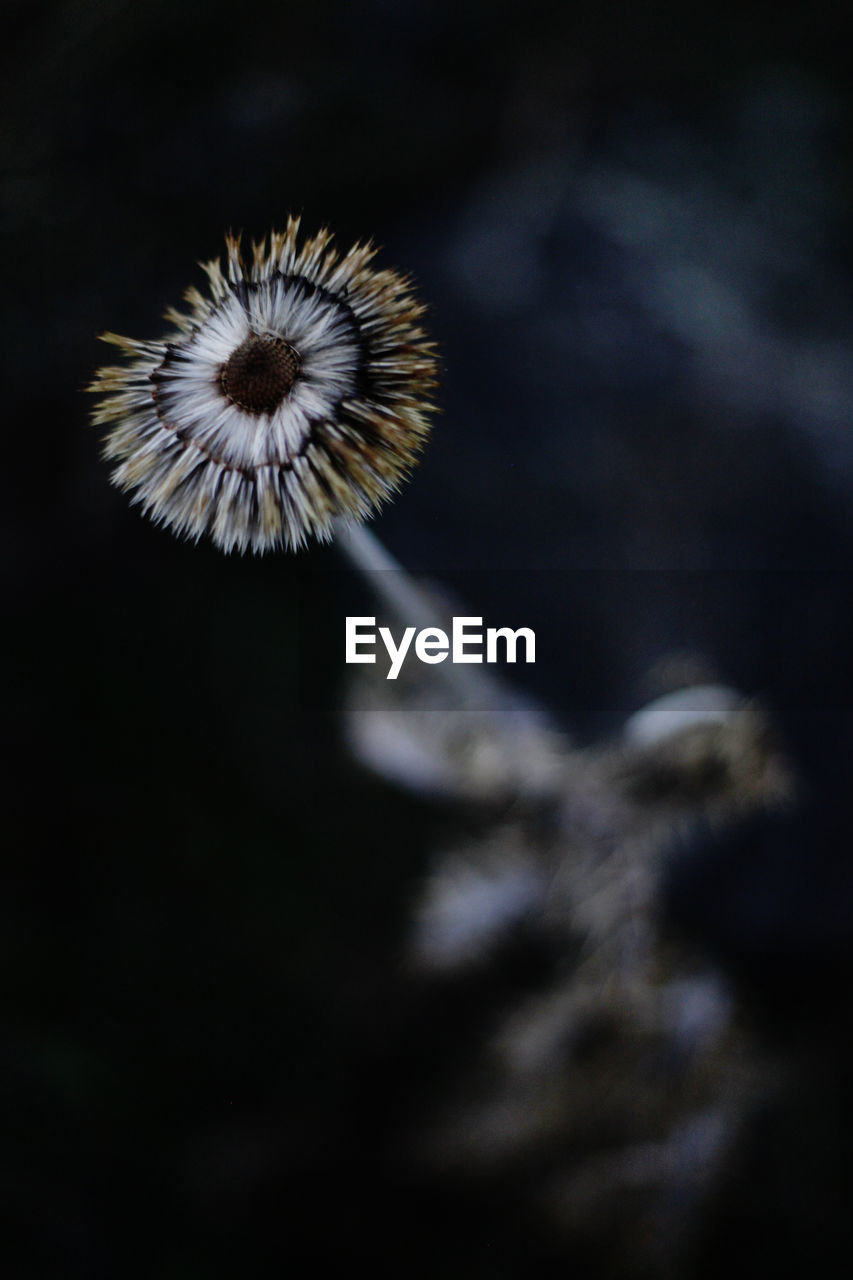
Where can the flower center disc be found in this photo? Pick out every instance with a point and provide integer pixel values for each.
(258, 375)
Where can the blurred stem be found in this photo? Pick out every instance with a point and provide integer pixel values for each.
(413, 607)
(387, 577)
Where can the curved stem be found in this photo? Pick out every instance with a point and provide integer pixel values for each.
(413, 607)
(390, 581)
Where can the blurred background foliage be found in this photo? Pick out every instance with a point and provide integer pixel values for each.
(632, 227)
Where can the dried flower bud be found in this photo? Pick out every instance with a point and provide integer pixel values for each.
(297, 392)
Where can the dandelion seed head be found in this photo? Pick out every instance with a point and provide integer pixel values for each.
(296, 391)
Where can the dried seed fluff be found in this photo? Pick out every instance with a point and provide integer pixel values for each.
(296, 392)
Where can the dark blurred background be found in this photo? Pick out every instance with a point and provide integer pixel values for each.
(633, 232)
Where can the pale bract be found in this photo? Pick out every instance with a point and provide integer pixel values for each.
(296, 392)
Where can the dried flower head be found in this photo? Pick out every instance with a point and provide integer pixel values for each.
(298, 391)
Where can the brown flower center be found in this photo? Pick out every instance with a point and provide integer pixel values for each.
(258, 375)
